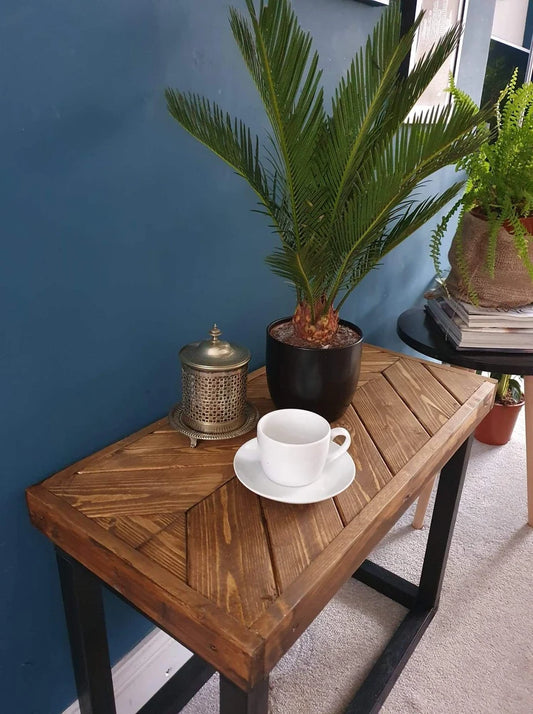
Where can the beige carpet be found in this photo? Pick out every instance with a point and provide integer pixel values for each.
(477, 655)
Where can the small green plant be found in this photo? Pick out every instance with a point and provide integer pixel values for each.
(499, 183)
(339, 183)
(509, 389)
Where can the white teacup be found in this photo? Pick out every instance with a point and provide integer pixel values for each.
(295, 445)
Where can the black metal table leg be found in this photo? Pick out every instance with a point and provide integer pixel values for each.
(234, 700)
(84, 612)
(424, 603)
(447, 500)
(389, 584)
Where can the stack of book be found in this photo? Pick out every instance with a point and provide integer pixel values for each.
(470, 327)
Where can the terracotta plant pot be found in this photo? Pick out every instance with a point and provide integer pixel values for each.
(497, 427)
(321, 380)
(526, 222)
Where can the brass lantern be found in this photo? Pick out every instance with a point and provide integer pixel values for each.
(214, 405)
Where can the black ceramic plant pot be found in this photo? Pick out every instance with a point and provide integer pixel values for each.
(321, 380)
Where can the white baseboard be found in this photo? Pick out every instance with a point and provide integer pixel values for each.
(142, 671)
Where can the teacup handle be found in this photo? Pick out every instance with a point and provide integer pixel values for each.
(342, 448)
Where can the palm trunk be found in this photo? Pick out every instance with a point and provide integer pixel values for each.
(318, 331)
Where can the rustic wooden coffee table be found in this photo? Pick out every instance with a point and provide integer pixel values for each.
(237, 578)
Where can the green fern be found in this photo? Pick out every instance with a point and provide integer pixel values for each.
(500, 176)
(340, 188)
(438, 235)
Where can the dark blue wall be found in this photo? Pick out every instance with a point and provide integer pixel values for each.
(123, 239)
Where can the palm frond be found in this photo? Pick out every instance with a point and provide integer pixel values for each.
(278, 55)
(301, 268)
(419, 214)
(370, 255)
(373, 100)
(388, 181)
(359, 103)
(228, 138)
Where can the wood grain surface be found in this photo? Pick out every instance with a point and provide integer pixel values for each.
(233, 576)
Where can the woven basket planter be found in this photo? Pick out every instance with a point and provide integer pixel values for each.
(511, 285)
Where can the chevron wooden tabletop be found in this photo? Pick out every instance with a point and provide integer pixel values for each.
(233, 576)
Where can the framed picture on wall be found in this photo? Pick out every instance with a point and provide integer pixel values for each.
(439, 17)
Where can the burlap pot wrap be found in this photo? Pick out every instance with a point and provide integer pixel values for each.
(511, 285)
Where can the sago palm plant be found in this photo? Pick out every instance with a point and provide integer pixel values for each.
(340, 188)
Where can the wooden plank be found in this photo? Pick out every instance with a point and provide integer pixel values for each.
(375, 359)
(169, 548)
(228, 558)
(257, 392)
(257, 374)
(432, 404)
(365, 377)
(65, 473)
(298, 534)
(288, 617)
(394, 429)
(372, 472)
(369, 349)
(133, 493)
(136, 530)
(459, 383)
(207, 453)
(186, 615)
(165, 441)
(256, 381)
(257, 387)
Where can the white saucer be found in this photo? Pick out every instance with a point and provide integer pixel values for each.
(337, 476)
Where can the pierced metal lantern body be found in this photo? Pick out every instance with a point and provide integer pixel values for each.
(213, 376)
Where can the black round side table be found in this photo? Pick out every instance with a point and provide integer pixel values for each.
(417, 329)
